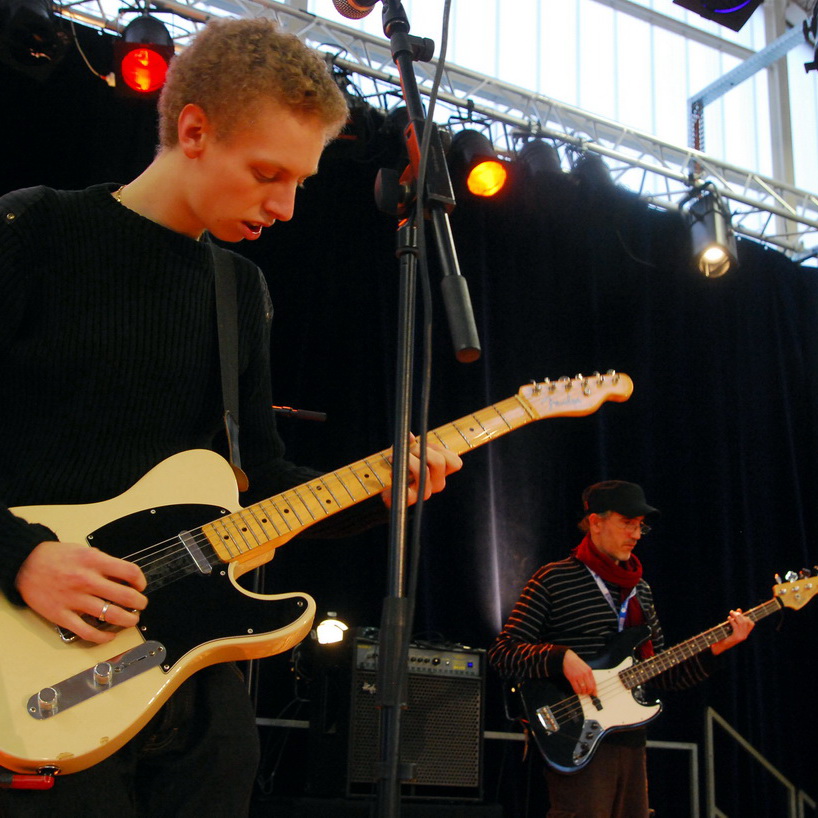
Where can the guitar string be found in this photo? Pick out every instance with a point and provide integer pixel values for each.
(150, 556)
(614, 684)
(172, 548)
(571, 706)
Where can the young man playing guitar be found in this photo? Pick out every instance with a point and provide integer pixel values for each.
(565, 617)
(110, 356)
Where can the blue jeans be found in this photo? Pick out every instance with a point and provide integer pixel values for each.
(197, 758)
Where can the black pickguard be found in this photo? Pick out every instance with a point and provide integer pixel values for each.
(188, 608)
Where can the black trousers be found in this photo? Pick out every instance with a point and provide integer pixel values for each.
(197, 758)
(613, 785)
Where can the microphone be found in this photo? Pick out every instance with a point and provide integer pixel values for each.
(354, 9)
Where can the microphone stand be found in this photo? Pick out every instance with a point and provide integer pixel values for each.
(403, 196)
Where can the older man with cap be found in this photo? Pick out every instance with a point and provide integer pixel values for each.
(567, 614)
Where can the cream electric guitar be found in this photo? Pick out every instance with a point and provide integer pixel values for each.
(67, 704)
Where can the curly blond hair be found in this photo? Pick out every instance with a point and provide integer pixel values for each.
(233, 64)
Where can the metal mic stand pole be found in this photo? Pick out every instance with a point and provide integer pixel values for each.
(398, 608)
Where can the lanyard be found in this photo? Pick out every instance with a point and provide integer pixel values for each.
(622, 612)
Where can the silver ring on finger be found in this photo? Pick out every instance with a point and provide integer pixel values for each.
(103, 612)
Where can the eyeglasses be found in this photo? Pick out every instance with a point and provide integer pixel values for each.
(633, 525)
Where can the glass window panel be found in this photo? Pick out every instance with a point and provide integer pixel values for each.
(634, 60)
(559, 77)
(597, 74)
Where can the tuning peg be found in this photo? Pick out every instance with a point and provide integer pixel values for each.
(778, 579)
(790, 576)
(804, 573)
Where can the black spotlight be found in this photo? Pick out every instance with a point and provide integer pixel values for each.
(142, 56)
(592, 173)
(538, 157)
(711, 232)
(30, 40)
(730, 13)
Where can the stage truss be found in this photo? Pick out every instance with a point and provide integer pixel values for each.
(763, 208)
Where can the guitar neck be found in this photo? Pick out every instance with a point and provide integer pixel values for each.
(643, 671)
(280, 518)
(287, 514)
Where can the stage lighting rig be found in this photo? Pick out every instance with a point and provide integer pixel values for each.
(591, 172)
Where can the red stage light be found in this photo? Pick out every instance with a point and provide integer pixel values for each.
(144, 70)
(142, 57)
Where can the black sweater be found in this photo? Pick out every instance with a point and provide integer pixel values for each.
(109, 358)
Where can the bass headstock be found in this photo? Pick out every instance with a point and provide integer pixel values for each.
(796, 589)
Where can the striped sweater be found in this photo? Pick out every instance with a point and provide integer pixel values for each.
(562, 607)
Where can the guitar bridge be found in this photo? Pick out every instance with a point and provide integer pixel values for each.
(547, 719)
(50, 701)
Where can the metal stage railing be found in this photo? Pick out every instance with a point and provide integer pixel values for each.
(798, 802)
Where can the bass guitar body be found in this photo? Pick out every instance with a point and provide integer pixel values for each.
(568, 728)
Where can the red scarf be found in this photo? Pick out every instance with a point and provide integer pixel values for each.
(624, 575)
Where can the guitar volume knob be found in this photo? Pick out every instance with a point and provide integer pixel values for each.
(103, 674)
(48, 701)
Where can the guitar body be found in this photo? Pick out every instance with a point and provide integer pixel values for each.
(66, 705)
(192, 622)
(567, 727)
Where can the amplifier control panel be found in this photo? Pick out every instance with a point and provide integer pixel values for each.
(458, 662)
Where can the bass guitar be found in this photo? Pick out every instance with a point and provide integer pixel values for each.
(568, 728)
(66, 704)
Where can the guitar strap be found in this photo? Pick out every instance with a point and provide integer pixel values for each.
(227, 322)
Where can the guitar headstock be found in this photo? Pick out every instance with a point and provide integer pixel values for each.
(798, 589)
(574, 397)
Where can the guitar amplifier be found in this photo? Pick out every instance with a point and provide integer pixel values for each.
(441, 729)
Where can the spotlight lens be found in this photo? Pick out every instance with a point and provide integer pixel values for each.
(487, 179)
(144, 70)
(714, 255)
(714, 262)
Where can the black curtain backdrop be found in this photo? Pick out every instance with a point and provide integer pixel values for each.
(721, 429)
